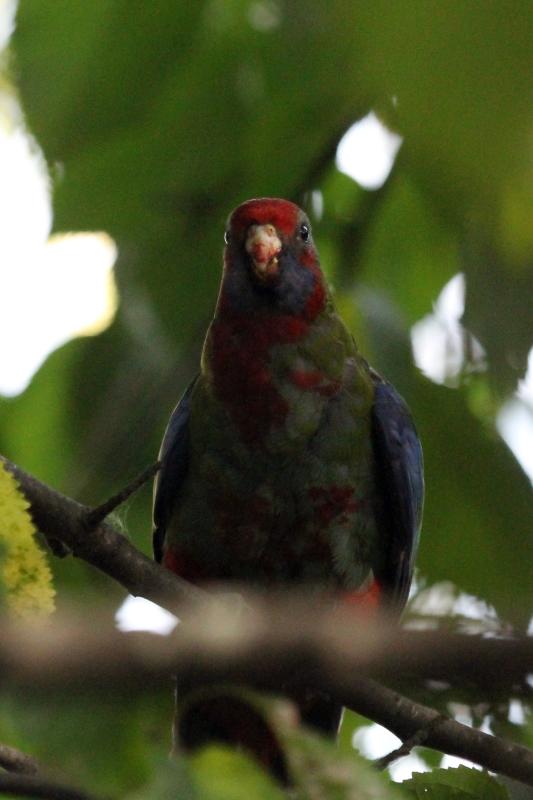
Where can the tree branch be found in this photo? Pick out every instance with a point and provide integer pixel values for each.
(406, 719)
(417, 724)
(416, 740)
(14, 760)
(35, 786)
(61, 518)
(255, 648)
(264, 645)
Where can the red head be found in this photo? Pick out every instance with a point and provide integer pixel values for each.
(283, 214)
(270, 263)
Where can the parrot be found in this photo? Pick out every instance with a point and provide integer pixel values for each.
(289, 462)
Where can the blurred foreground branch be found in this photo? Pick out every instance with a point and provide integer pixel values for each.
(27, 778)
(14, 760)
(35, 786)
(265, 646)
(264, 643)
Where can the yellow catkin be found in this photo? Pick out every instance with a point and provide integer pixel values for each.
(24, 571)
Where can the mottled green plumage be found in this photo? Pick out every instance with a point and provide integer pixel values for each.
(260, 503)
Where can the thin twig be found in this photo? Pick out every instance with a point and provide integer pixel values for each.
(99, 513)
(418, 738)
(405, 718)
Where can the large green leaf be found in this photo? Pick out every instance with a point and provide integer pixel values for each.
(219, 773)
(476, 529)
(409, 252)
(455, 784)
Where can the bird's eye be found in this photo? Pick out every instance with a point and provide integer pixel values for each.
(227, 237)
(304, 232)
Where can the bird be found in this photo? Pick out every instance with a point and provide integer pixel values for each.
(289, 462)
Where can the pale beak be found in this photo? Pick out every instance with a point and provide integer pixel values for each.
(263, 245)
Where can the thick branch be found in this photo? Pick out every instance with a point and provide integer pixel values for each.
(265, 649)
(266, 637)
(385, 650)
(61, 518)
(406, 719)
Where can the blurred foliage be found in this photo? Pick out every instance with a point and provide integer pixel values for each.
(455, 784)
(155, 120)
(224, 774)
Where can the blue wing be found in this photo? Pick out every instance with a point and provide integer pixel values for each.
(174, 455)
(400, 479)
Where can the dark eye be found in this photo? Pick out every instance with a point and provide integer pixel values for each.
(304, 232)
(227, 237)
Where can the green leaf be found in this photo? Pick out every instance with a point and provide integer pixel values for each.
(503, 327)
(476, 529)
(461, 78)
(409, 250)
(461, 783)
(316, 766)
(477, 521)
(219, 773)
(322, 769)
(351, 722)
(170, 778)
(105, 741)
